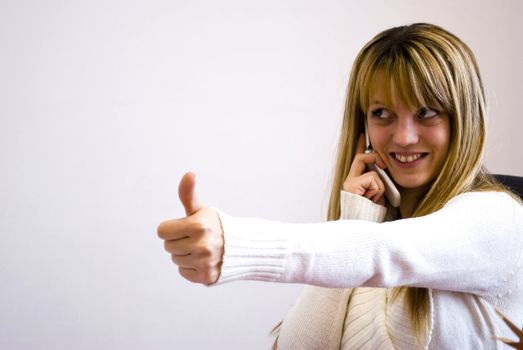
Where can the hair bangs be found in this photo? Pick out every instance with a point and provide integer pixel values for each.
(406, 74)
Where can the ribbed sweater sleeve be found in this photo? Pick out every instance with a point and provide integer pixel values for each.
(355, 207)
(470, 245)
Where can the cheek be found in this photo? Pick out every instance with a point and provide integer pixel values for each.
(378, 138)
(440, 139)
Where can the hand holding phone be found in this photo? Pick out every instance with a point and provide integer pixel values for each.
(391, 192)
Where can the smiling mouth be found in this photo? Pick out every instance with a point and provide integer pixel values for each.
(412, 157)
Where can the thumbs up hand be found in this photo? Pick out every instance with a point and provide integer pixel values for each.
(196, 241)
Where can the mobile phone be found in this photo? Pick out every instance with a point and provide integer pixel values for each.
(391, 192)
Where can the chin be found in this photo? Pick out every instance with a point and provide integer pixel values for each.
(412, 182)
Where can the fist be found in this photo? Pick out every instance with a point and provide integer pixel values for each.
(195, 242)
(362, 182)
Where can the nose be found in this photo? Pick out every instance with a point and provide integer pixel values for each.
(406, 132)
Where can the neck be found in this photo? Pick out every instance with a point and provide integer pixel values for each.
(410, 198)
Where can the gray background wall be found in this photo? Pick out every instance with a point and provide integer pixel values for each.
(104, 105)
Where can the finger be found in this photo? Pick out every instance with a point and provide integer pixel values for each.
(190, 274)
(176, 229)
(206, 276)
(181, 246)
(187, 194)
(379, 161)
(361, 147)
(190, 261)
(378, 197)
(379, 187)
(380, 200)
(360, 162)
(184, 261)
(363, 185)
(371, 186)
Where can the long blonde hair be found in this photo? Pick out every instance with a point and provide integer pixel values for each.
(427, 66)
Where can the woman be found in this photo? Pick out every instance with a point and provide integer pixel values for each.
(431, 275)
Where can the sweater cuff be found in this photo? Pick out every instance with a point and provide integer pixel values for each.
(254, 249)
(357, 207)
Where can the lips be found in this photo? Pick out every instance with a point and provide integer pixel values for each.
(406, 158)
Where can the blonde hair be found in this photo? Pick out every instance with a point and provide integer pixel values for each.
(427, 66)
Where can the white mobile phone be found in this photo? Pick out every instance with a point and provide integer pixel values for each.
(391, 192)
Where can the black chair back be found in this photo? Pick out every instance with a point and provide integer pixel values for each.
(515, 183)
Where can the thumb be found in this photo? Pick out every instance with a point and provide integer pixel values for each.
(187, 196)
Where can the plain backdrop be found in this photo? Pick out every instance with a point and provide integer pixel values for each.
(104, 105)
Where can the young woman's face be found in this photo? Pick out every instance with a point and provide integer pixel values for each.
(412, 143)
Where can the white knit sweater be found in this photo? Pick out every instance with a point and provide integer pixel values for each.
(468, 254)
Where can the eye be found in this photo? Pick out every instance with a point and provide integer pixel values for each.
(380, 113)
(427, 113)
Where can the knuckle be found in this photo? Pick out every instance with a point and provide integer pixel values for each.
(200, 265)
(204, 249)
(206, 252)
(360, 157)
(376, 177)
(209, 276)
(200, 228)
(206, 264)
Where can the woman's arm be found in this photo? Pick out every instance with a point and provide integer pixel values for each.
(471, 245)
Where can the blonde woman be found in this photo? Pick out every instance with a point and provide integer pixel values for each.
(428, 274)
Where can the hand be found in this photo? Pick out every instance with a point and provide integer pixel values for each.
(196, 241)
(360, 182)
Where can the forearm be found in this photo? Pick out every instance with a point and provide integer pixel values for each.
(457, 248)
(265, 257)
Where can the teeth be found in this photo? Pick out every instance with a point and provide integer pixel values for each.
(407, 159)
